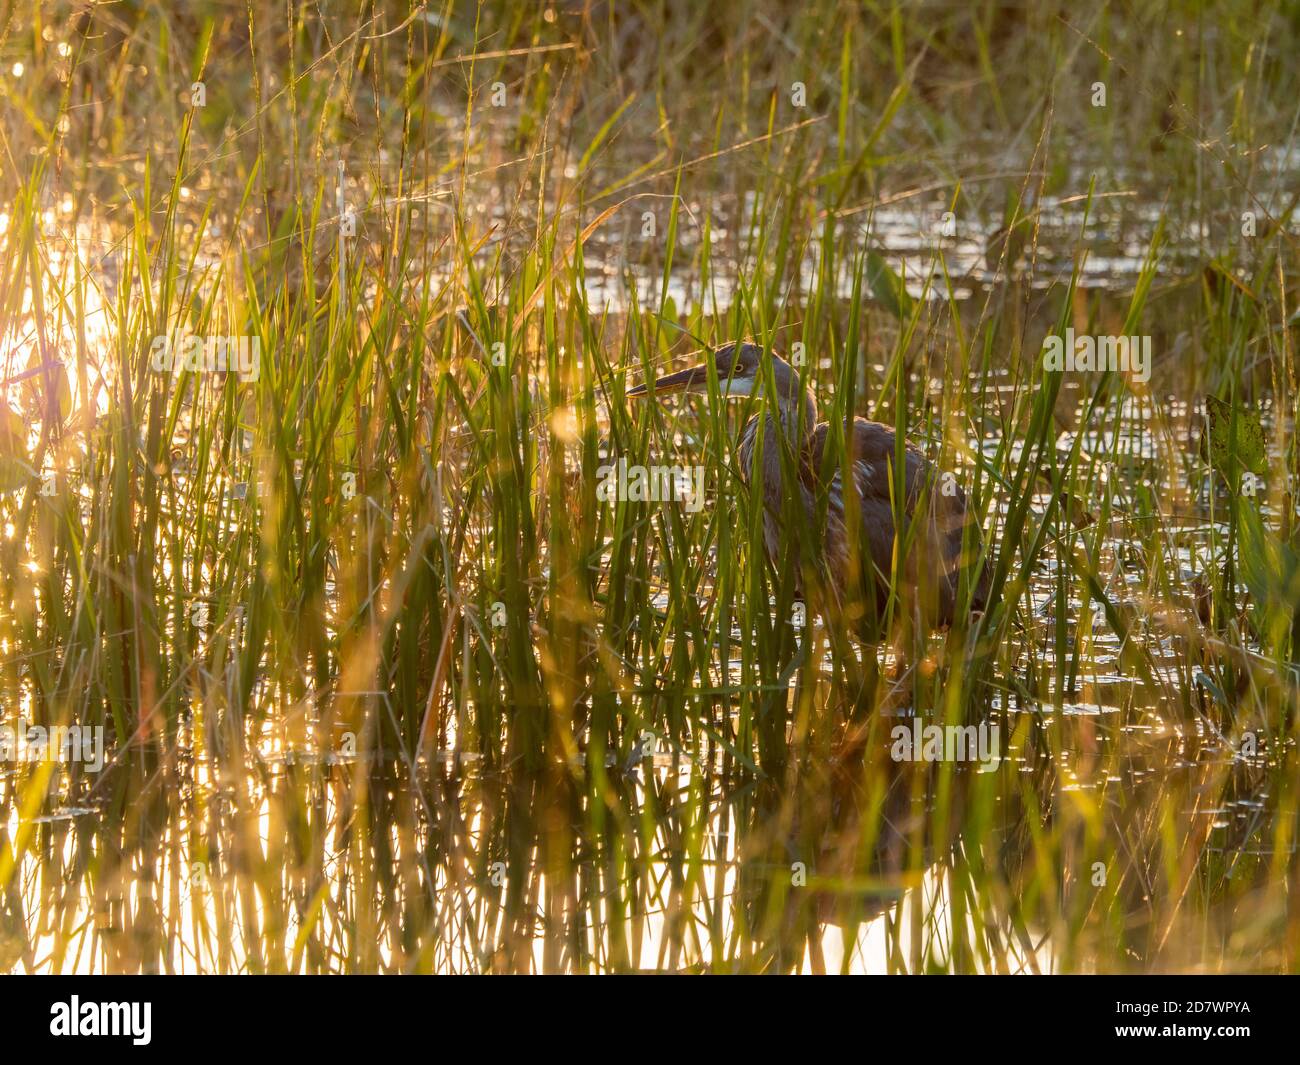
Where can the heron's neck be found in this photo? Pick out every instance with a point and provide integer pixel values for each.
(795, 420)
(798, 415)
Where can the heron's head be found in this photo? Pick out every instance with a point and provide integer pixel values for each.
(740, 373)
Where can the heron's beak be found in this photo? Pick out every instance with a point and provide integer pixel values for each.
(692, 379)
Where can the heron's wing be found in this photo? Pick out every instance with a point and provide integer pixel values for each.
(870, 451)
(871, 447)
(871, 455)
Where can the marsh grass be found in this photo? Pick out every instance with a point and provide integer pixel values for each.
(413, 730)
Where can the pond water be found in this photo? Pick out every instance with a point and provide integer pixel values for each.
(288, 844)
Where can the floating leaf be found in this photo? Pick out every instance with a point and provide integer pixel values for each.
(1247, 443)
(887, 286)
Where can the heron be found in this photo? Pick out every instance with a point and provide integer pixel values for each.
(942, 534)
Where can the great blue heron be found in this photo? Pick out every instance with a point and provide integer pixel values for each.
(858, 582)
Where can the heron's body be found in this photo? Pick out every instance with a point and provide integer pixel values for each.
(783, 456)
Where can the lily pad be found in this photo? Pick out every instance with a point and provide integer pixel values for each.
(1247, 442)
